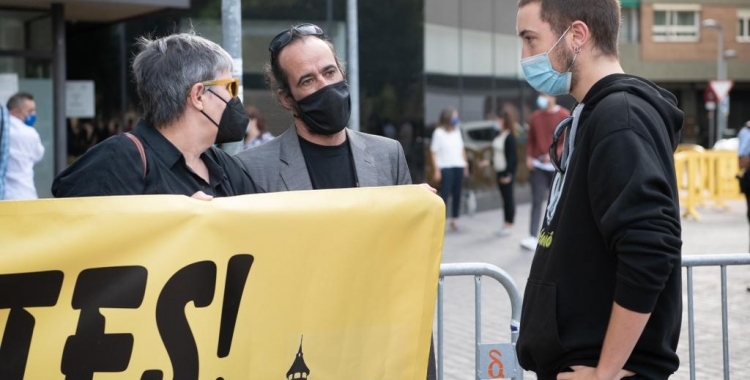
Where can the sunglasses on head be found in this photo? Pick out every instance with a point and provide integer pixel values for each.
(559, 131)
(233, 85)
(282, 39)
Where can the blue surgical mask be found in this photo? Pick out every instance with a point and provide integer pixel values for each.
(455, 121)
(542, 77)
(30, 119)
(542, 102)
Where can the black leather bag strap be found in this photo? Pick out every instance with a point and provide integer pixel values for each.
(138, 145)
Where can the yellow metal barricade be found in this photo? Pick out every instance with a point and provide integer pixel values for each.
(705, 175)
(686, 170)
(725, 167)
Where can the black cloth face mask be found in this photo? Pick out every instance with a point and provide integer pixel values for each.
(326, 111)
(233, 123)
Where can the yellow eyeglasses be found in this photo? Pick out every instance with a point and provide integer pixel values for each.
(233, 85)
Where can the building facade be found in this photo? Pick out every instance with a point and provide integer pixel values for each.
(415, 58)
(669, 42)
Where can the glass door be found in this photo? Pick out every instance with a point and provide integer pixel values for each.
(26, 65)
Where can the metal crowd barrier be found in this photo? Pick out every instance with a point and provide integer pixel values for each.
(711, 260)
(494, 360)
(491, 360)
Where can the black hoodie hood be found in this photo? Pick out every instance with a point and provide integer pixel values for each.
(662, 100)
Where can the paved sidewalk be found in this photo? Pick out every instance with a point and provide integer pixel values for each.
(720, 231)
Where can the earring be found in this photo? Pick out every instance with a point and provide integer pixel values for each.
(577, 50)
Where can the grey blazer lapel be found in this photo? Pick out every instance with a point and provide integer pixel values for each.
(293, 168)
(364, 164)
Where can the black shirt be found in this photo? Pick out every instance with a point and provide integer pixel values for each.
(330, 167)
(115, 167)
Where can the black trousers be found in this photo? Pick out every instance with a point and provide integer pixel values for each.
(506, 191)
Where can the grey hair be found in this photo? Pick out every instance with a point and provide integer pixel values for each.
(165, 69)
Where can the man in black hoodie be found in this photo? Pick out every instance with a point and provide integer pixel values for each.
(603, 298)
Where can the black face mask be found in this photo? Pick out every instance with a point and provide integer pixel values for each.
(233, 123)
(326, 111)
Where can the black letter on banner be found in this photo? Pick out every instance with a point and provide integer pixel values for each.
(17, 291)
(194, 283)
(237, 271)
(90, 350)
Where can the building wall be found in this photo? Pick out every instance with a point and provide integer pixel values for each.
(472, 56)
(705, 50)
(685, 68)
(722, 2)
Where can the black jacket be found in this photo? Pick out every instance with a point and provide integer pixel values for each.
(614, 235)
(115, 167)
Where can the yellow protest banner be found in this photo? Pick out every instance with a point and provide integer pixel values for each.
(336, 284)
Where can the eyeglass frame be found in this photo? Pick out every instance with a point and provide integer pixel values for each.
(283, 39)
(559, 131)
(233, 85)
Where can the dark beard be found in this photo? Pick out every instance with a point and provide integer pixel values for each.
(569, 58)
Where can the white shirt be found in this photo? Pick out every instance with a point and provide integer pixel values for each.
(498, 149)
(25, 150)
(448, 148)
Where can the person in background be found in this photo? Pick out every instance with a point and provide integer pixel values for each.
(25, 148)
(505, 163)
(190, 104)
(541, 126)
(257, 130)
(449, 161)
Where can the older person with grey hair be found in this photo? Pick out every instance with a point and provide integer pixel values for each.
(190, 103)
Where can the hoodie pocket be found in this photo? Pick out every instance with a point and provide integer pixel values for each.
(539, 347)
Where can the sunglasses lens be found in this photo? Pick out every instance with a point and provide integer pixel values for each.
(233, 88)
(280, 41)
(310, 30)
(283, 38)
(559, 131)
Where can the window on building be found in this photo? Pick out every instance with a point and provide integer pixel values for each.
(676, 23)
(630, 28)
(743, 25)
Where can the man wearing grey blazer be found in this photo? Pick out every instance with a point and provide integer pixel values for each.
(318, 152)
(279, 165)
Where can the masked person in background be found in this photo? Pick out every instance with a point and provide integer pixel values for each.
(318, 151)
(449, 161)
(189, 103)
(541, 126)
(25, 148)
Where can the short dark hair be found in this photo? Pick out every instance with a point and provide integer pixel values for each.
(509, 114)
(601, 16)
(276, 77)
(16, 101)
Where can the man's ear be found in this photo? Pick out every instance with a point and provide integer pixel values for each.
(286, 100)
(195, 96)
(581, 33)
